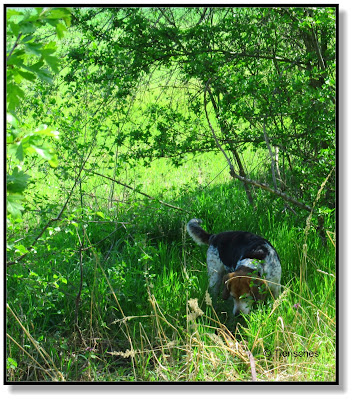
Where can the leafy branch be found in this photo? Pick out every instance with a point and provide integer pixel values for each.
(22, 66)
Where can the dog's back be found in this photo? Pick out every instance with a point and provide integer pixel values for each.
(232, 246)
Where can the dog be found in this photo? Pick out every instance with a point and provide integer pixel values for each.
(247, 265)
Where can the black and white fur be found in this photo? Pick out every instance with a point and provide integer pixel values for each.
(228, 251)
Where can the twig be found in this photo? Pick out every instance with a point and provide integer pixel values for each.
(13, 47)
(45, 356)
(51, 220)
(31, 357)
(277, 192)
(271, 156)
(247, 180)
(303, 266)
(78, 297)
(234, 151)
(317, 50)
(252, 365)
(137, 191)
(211, 127)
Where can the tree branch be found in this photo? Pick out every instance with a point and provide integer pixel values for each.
(247, 180)
(13, 47)
(137, 191)
(277, 192)
(271, 156)
(234, 151)
(211, 127)
(318, 51)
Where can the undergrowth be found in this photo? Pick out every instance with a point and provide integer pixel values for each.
(118, 291)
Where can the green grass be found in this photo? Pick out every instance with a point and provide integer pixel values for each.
(143, 312)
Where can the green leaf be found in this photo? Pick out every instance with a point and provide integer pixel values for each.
(44, 152)
(58, 13)
(14, 96)
(14, 206)
(27, 38)
(20, 249)
(15, 28)
(47, 54)
(20, 152)
(27, 27)
(49, 49)
(46, 131)
(34, 48)
(53, 62)
(16, 58)
(42, 73)
(45, 76)
(17, 77)
(54, 162)
(17, 181)
(60, 30)
(27, 75)
(34, 67)
(10, 119)
(11, 363)
(10, 12)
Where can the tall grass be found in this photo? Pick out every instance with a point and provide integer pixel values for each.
(143, 312)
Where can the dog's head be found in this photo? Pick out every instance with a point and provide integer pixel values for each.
(245, 288)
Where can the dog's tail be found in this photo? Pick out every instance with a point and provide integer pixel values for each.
(197, 233)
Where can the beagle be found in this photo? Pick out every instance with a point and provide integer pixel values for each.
(247, 265)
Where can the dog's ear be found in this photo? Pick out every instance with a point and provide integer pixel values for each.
(225, 292)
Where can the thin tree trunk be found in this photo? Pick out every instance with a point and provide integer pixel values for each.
(247, 188)
(271, 156)
(234, 151)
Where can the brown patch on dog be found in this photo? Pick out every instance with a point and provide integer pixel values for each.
(242, 282)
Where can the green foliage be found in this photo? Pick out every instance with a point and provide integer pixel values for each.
(22, 45)
(23, 51)
(21, 143)
(272, 66)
